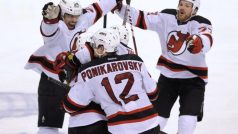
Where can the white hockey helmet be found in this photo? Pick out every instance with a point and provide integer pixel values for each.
(123, 32)
(108, 38)
(72, 7)
(196, 5)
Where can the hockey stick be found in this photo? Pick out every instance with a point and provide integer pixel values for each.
(128, 2)
(105, 21)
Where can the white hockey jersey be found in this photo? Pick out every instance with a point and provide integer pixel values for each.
(58, 38)
(121, 85)
(176, 61)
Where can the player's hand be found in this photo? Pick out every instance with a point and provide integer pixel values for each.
(118, 6)
(51, 11)
(194, 44)
(67, 69)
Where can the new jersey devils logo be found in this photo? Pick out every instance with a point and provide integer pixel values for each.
(176, 42)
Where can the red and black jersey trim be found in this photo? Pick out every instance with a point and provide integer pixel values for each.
(42, 33)
(137, 115)
(98, 12)
(202, 72)
(51, 21)
(78, 109)
(141, 20)
(153, 95)
(111, 58)
(44, 62)
(210, 38)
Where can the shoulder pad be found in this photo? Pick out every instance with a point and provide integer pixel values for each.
(201, 19)
(169, 11)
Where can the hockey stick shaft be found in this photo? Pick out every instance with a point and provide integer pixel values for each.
(128, 2)
(105, 21)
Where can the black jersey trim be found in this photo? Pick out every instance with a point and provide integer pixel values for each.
(110, 58)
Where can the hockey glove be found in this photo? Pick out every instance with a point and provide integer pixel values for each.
(194, 44)
(118, 6)
(51, 13)
(67, 65)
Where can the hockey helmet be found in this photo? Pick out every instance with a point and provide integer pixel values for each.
(107, 38)
(72, 7)
(196, 5)
(123, 33)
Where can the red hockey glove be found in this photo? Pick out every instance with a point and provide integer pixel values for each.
(118, 6)
(66, 66)
(194, 44)
(51, 13)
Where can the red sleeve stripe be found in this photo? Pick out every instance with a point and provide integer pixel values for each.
(44, 62)
(74, 103)
(52, 21)
(141, 20)
(210, 38)
(68, 110)
(98, 12)
(48, 35)
(153, 95)
(77, 109)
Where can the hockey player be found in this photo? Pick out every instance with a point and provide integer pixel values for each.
(60, 24)
(120, 84)
(124, 40)
(185, 38)
(86, 54)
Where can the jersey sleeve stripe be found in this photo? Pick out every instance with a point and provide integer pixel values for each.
(44, 62)
(42, 33)
(210, 38)
(71, 104)
(153, 95)
(141, 20)
(75, 109)
(52, 21)
(98, 12)
(199, 71)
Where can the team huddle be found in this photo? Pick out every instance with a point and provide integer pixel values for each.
(104, 85)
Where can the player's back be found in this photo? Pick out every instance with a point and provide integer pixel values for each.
(120, 85)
